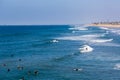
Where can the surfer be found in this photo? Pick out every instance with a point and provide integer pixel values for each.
(4, 65)
(77, 69)
(20, 59)
(54, 41)
(8, 70)
(36, 72)
(85, 49)
(19, 67)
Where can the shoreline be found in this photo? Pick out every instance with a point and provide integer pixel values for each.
(105, 25)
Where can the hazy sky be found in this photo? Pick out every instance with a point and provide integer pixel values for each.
(58, 11)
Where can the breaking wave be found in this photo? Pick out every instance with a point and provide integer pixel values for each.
(78, 27)
(86, 49)
(54, 41)
(101, 40)
(112, 30)
(103, 28)
(117, 66)
(94, 38)
(116, 31)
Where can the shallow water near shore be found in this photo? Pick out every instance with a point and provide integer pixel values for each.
(53, 51)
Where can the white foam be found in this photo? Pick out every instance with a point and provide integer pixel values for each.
(117, 66)
(113, 30)
(101, 40)
(78, 27)
(93, 35)
(107, 44)
(107, 32)
(78, 69)
(103, 28)
(87, 38)
(85, 49)
(116, 31)
(73, 31)
(54, 41)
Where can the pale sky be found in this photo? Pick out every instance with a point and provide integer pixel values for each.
(58, 11)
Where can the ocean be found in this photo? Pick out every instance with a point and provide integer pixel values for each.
(52, 52)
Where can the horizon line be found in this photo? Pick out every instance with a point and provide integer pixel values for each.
(35, 24)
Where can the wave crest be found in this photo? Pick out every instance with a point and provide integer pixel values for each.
(117, 67)
(101, 40)
(78, 27)
(94, 38)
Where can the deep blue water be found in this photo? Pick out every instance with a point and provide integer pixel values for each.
(54, 52)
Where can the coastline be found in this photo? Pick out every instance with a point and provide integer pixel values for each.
(105, 25)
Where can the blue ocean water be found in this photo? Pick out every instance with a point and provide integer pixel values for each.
(53, 51)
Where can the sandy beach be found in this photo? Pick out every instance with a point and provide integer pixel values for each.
(105, 25)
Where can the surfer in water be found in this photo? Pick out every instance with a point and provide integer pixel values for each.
(86, 49)
(20, 59)
(77, 69)
(20, 67)
(4, 65)
(36, 72)
(8, 70)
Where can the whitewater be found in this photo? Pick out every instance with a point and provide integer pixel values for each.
(59, 52)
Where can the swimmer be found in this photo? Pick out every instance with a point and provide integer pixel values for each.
(77, 69)
(85, 49)
(36, 72)
(8, 70)
(4, 65)
(20, 59)
(12, 55)
(19, 67)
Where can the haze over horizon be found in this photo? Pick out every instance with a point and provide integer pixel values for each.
(40, 12)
